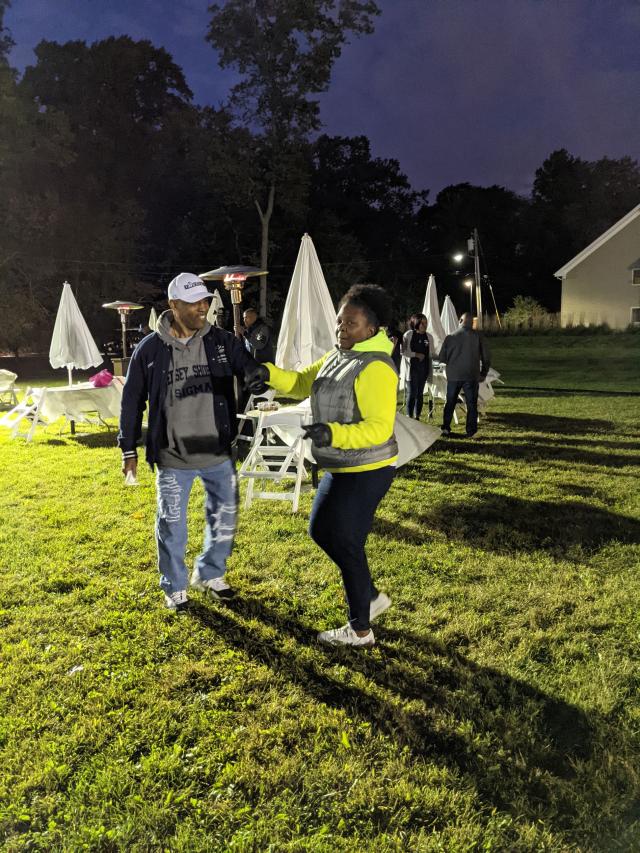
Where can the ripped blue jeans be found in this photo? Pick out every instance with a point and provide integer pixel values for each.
(173, 487)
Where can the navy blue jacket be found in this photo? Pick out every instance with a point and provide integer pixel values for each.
(147, 380)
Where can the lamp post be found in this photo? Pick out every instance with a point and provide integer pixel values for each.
(124, 309)
(234, 279)
(468, 282)
(473, 244)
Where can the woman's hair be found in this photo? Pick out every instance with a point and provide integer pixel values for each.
(415, 320)
(372, 299)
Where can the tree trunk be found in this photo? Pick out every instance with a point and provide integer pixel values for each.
(265, 218)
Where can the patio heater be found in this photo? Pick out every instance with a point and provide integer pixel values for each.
(234, 279)
(124, 309)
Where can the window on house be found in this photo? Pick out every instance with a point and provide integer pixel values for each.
(635, 316)
(635, 276)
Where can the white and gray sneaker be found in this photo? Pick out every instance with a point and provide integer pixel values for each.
(346, 636)
(177, 601)
(216, 588)
(378, 605)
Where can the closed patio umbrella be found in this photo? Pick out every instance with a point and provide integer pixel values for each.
(216, 305)
(432, 313)
(308, 328)
(448, 317)
(72, 344)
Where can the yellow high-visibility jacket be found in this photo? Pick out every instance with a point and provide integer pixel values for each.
(376, 390)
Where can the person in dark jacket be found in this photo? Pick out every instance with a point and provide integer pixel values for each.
(257, 336)
(417, 352)
(467, 358)
(395, 336)
(185, 372)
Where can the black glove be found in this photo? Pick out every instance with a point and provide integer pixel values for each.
(256, 380)
(320, 434)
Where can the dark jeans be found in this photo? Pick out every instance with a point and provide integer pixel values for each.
(341, 518)
(470, 391)
(415, 390)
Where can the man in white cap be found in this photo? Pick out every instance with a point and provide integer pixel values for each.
(185, 371)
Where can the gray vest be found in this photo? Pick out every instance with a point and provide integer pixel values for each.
(333, 400)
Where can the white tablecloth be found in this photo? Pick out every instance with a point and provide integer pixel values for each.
(75, 401)
(438, 386)
(413, 437)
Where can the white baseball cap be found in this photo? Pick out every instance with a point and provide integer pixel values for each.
(187, 287)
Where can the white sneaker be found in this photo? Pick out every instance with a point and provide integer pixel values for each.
(379, 604)
(177, 601)
(217, 588)
(345, 636)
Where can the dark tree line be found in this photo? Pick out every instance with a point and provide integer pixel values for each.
(111, 177)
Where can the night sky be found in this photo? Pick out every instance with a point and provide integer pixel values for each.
(456, 90)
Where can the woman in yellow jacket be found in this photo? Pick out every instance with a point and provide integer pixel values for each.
(353, 392)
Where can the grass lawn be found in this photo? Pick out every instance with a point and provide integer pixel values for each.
(499, 710)
(605, 362)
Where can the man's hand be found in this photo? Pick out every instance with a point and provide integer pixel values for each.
(129, 465)
(320, 434)
(256, 380)
(239, 331)
(420, 356)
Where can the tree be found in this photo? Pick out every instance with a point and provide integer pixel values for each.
(127, 109)
(363, 217)
(284, 51)
(573, 201)
(498, 214)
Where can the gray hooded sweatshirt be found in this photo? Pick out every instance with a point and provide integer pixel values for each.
(188, 405)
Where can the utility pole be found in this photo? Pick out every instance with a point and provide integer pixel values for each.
(473, 248)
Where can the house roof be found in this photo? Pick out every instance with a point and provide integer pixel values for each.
(600, 241)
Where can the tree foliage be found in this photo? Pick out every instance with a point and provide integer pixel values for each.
(283, 52)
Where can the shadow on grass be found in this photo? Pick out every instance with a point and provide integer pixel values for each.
(552, 423)
(507, 524)
(518, 747)
(106, 438)
(522, 450)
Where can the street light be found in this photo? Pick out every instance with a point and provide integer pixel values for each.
(473, 252)
(469, 282)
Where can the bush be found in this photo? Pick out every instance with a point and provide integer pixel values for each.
(526, 313)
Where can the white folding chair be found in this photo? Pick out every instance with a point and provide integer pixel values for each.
(8, 388)
(249, 421)
(29, 409)
(275, 463)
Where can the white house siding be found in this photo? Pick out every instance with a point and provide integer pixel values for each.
(599, 289)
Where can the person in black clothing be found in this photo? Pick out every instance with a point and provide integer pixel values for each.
(395, 336)
(467, 358)
(185, 372)
(416, 349)
(257, 336)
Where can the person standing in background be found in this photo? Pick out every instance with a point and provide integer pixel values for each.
(417, 352)
(257, 336)
(466, 355)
